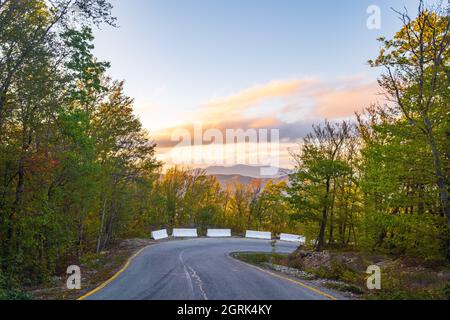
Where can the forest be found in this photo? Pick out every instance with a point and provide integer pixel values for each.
(78, 171)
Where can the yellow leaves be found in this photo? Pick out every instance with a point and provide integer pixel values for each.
(37, 12)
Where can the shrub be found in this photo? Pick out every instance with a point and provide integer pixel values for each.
(446, 291)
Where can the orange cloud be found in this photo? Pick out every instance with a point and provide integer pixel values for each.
(298, 104)
(345, 102)
(266, 122)
(324, 100)
(243, 100)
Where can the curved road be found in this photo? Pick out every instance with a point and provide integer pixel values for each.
(201, 269)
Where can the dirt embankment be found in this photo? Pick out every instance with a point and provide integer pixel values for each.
(401, 278)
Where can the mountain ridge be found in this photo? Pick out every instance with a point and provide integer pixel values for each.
(255, 172)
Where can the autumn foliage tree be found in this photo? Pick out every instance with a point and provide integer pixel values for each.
(75, 163)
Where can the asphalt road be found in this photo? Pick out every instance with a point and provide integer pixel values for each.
(202, 269)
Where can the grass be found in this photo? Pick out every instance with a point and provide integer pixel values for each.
(11, 294)
(10, 290)
(260, 259)
(344, 287)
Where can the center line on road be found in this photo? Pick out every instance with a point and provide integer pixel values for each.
(186, 272)
(200, 283)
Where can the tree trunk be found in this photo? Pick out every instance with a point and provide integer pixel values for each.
(81, 233)
(2, 103)
(20, 187)
(102, 223)
(323, 224)
(331, 236)
(441, 180)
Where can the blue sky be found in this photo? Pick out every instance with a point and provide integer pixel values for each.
(179, 55)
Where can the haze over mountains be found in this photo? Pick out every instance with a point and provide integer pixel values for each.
(247, 171)
(244, 174)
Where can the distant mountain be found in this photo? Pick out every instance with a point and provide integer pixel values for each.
(244, 174)
(225, 179)
(248, 171)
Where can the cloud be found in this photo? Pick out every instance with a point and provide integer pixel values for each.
(292, 106)
(239, 102)
(299, 104)
(337, 103)
(169, 137)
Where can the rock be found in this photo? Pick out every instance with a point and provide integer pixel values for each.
(315, 260)
(291, 271)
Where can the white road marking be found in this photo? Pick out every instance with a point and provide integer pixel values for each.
(188, 277)
(200, 283)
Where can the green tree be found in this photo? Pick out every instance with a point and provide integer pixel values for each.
(319, 164)
(417, 82)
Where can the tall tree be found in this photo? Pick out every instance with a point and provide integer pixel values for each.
(417, 82)
(318, 165)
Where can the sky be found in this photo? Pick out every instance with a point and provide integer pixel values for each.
(244, 64)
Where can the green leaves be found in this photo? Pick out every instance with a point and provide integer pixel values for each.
(85, 71)
(76, 166)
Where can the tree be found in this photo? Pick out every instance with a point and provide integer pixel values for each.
(187, 197)
(28, 26)
(401, 205)
(275, 214)
(76, 166)
(318, 165)
(417, 83)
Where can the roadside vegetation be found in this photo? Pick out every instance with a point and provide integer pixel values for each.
(78, 172)
(402, 278)
(75, 163)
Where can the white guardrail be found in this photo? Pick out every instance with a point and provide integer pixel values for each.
(219, 233)
(160, 234)
(184, 233)
(292, 238)
(225, 233)
(258, 235)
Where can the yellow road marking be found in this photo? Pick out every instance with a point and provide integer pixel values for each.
(291, 280)
(104, 284)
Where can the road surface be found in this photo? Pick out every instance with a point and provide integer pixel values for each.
(202, 269)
